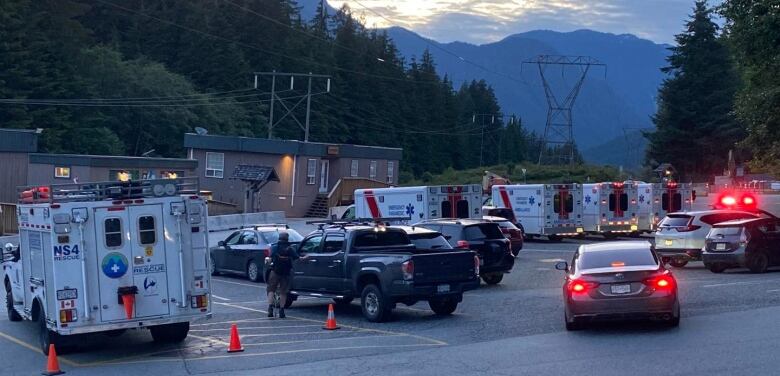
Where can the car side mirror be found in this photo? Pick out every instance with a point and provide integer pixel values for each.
(562, 265)
(221, 243)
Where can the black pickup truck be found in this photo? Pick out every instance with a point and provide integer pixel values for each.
(382, 267)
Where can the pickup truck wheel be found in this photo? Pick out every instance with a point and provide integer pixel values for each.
(493, 279)
(678, 263)
(46, 337)
(9, 306)
(253, 271)
(443, 306)
(342, 301)
(170, 333)
(375, 307)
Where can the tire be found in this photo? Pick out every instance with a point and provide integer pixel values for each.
(571, 325)
(170, 333)
(716, 268)
(342, 302)
(213, 266)
(678, 263)
(493, 279)
(376, 308)
(443, 306)
(758, 262)
(9, 306)
(46, 337)
(253, 271)
(675, 320)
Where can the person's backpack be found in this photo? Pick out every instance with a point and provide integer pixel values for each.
(283, 263)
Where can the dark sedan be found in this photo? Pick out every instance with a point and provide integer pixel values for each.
(615, 281)
(244, 251)
(512, 232)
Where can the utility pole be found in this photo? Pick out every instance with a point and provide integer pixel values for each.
(558, 131)
(290, 104)
(483, 122)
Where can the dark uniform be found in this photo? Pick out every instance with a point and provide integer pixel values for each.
(280, 278)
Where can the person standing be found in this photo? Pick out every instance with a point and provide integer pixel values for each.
(283, 254)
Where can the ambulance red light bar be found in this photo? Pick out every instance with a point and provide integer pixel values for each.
(732, 200)
(618, 185)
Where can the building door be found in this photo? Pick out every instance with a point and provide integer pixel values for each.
(324, 169)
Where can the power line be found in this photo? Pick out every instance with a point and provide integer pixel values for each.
(148, 100)
(34, 102)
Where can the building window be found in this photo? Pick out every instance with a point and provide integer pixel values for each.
(353, 170)
(62, 172)
(372, 170)
(311, 172)
(390, 171)
(215, 165)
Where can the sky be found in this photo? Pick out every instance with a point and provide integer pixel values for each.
(484, 21)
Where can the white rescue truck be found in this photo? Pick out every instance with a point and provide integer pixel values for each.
(110, 256)
(552, 210)
(420, 203)
(610, 209)
(656, 200)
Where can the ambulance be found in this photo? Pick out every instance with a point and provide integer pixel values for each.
(420, 203)
(610, 209)
(552, 210)
(110, 256)
(656, 200)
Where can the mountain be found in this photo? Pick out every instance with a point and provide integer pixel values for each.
(626, 150)
(618, 98)
(622, 96)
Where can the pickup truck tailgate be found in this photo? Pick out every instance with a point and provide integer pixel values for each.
(440, 267)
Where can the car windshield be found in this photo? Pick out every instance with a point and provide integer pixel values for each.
(483, 231)
(616, 258)
(429, 240)
(675, 221)
(271, 237)
(507, 225)
(725, 231)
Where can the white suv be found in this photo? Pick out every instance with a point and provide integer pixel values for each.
(680, 236)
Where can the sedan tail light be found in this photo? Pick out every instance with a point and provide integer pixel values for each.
(581, 287)
(267, 252)
(463, 244)
(664, 281)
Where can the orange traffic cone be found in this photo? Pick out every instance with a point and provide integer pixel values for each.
(235, 342)
(330, 323)
(128, 300)
(52, 365)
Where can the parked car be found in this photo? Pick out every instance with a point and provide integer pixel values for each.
(504, 213)
(245, 250)
(380, 266)
(751, 243)
(483, 237)
(424, 238)
(618, 280)
(512, 232)
(680, 236)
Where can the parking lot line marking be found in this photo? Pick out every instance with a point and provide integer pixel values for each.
(212, 340)
(233, 321)
(734, 283)
(433, 340)
(220, 298)
(287, 334)
(258, 286)
(244, 355)
(34, 348)
(320, 340)
(253, 327)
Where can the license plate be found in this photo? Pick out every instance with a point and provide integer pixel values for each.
(443, 288)
(720, 246)
(621, 289)
(668, 242)
(67, 294)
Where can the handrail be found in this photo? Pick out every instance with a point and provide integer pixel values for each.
(346, 187)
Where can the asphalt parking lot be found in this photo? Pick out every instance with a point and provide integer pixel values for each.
(526, 304)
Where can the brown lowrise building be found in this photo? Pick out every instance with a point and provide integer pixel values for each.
(15, 146)
(305, 170)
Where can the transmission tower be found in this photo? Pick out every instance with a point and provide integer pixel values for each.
(290, 107)
(558, 132)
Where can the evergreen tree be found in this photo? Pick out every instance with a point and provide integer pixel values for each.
(694, 123)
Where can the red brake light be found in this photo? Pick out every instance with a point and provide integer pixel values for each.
(747, 200)
(579, 286)
(407, 267)
(662, 282)
(728, 200)
(463, 244)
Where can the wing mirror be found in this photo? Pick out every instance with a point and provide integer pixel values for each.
(10, 253)
(562, 265)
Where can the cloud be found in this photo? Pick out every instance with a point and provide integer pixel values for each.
(483, 21)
